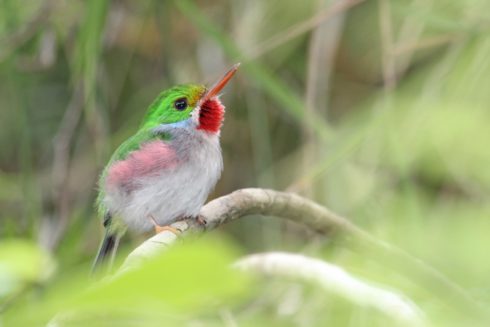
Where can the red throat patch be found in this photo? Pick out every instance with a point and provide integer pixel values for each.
(211, 115)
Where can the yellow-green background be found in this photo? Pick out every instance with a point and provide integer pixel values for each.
(379, 110)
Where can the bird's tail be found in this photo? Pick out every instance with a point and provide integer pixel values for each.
(107, 251)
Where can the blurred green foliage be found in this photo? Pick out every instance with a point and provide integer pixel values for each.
(190, 280)
(383, 118)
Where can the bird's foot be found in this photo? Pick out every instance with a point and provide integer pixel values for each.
(159, 229)
(201, 221)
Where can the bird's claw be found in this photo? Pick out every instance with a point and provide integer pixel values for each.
(160, 229)
(201, 221)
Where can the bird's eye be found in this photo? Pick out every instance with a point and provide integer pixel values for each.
(180, 104)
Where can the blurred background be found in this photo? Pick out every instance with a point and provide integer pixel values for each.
(377, 109)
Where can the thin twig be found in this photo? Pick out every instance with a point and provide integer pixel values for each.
(301, 28)
(429, 42)
(12, 42)
(410, 30)
(60, 169)
(388, 59)
(321, 55)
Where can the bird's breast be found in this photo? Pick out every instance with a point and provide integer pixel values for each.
(166, 182)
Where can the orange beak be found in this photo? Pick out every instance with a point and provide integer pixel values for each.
(219, 85)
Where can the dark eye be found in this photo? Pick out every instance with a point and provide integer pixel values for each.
(180, 104)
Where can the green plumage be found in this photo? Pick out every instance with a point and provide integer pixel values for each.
(161, 111)
(172, 192)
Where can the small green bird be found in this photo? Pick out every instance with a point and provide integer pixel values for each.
(166, 170)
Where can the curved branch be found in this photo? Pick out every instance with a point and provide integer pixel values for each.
(334, 279)
(290, 206)
(256, 201)
(244, 202)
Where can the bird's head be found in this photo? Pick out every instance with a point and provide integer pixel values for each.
(189, 105)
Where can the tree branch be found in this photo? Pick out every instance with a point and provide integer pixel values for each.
(334, 279)
(244, 202)
(253, 201)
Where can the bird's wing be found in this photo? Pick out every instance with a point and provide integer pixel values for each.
(129, 157)
(136, 156)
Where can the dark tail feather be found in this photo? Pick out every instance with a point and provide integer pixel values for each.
(106, 252)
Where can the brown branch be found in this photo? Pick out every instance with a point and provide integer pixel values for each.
(254, 201)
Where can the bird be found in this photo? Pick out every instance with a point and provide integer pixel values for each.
(166, 170)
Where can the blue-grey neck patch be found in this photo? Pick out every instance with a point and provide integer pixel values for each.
(177, 125)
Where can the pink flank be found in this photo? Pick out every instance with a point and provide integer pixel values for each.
(150, 159)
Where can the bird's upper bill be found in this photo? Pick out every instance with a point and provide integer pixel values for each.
(219, 85)
(211, 110)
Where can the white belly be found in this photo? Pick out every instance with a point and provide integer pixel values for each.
(172, 194)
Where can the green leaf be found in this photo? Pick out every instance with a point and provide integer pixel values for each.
(193, 275)
(190, 279)
(22, 262)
